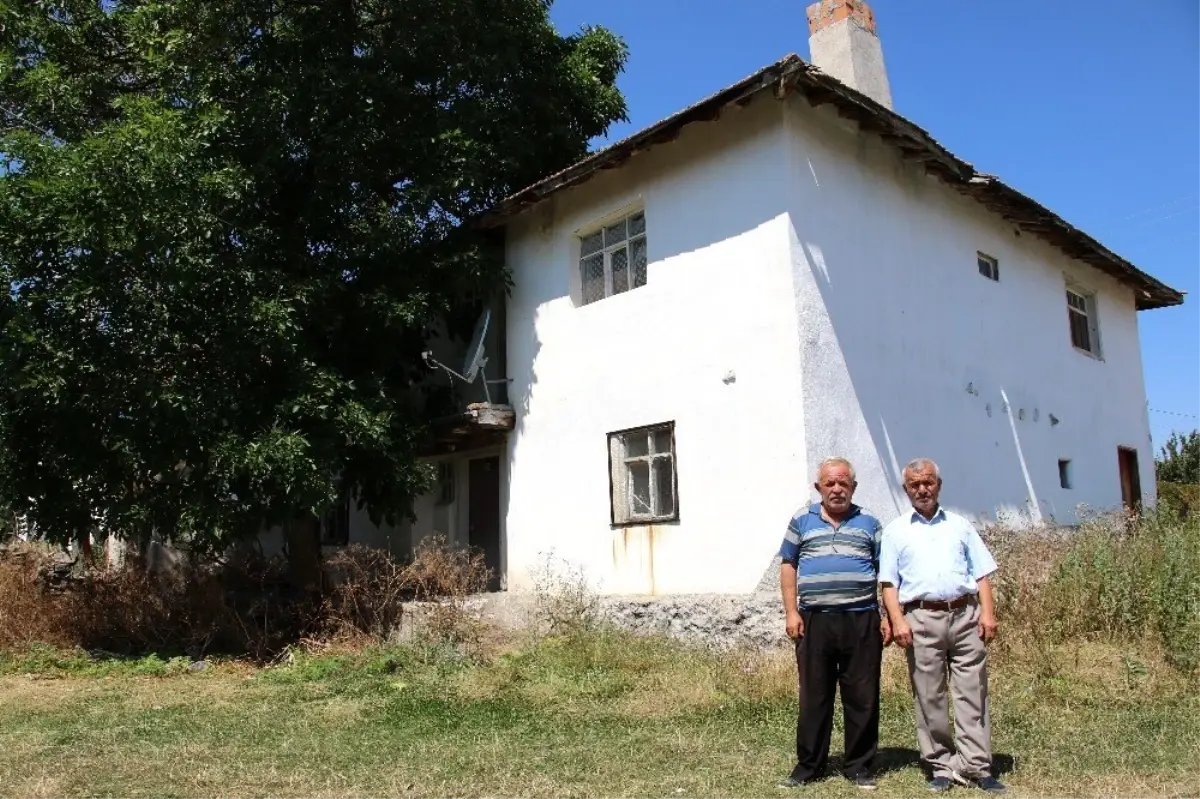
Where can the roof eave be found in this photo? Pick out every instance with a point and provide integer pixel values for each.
(792, 73)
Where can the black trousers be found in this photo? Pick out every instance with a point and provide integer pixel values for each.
(838, 648)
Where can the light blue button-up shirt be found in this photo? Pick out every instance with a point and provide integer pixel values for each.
(940, 558)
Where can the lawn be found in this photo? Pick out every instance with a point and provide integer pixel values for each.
(597, 714)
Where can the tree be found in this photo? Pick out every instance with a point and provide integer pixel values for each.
(228, 228)
(1179, 459)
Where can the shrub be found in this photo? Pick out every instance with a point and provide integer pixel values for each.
(1183, 499)
(1115, 578)
(370, 591)
(564, 602)
(29, 611)
(243, 607)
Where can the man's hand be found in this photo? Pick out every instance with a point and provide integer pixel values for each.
(795, 625)
(987, 627)
(885, 630)
(902, 633)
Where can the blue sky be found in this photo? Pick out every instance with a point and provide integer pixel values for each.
(1091, 107)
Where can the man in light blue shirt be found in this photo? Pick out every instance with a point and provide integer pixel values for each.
(934, 570)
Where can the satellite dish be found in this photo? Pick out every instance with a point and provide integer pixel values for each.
(475, 358)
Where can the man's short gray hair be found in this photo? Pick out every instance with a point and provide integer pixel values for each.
(836, 460)
(921, 465)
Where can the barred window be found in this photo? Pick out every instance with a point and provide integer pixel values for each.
(643, 474)
(613, 259)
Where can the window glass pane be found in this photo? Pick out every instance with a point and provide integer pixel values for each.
(664, 485)
(639, 489)
(662, 440)
(637, 254)
(1076, 301)
(620, 270)
(592, 271)
(636, 444)
(591, 244)
(1080, 335)
(614, 234)
(637, 224)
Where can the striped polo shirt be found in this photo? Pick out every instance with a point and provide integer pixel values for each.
(835, 569)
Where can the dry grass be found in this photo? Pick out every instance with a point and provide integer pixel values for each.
(244, 607)
(612, 716)
(28, 613)
(586, 711)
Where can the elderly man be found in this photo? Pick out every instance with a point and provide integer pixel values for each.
(934, 571)
(828, 579)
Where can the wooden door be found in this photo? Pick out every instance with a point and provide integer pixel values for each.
(483, 513)
(1131, 481)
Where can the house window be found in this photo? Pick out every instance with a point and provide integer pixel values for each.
(642, 468)
(445, 483)
(989, 267)
(613, 259)
(1064, 473)
(335, 525)
(1081, 312)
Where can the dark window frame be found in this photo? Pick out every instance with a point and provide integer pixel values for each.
(989, 266)
(626, 518)
(1064, 474)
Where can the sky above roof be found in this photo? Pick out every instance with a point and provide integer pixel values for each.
(1091, 107)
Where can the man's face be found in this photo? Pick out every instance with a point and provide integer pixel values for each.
(923, 487)
(836, 487)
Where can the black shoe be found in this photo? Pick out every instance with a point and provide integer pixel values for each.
(990, 784)
(939, 784)
(865, 781)
(792, 782)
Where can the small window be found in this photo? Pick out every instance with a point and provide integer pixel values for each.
(989, 267)
(445, 483)
(642, 468)
(1064, 473)
(1081, 313)
(335, 526)
(612, 260)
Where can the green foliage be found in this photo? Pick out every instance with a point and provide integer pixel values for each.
(1179, 459)
(48, 661)
(1180, 498)
(1129, 583)
(229, 228)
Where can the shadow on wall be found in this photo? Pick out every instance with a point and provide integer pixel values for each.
(889, 371)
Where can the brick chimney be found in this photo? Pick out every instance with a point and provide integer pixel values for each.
(843, 43)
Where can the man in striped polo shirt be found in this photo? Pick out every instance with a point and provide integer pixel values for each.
(828, 579)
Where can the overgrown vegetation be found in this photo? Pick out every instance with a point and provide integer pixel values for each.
(1115, 579)
(245, 607)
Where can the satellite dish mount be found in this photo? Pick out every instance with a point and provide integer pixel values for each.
(476, 358)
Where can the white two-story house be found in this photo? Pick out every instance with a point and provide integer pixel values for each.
(786, 271)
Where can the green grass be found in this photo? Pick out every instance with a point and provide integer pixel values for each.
(596, 715)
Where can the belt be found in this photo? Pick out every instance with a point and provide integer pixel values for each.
(940, 604)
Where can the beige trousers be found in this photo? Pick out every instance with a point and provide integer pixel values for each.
(948, 642)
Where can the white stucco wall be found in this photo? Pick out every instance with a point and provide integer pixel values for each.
(896, 322)
(838, 284)
(717, 300)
